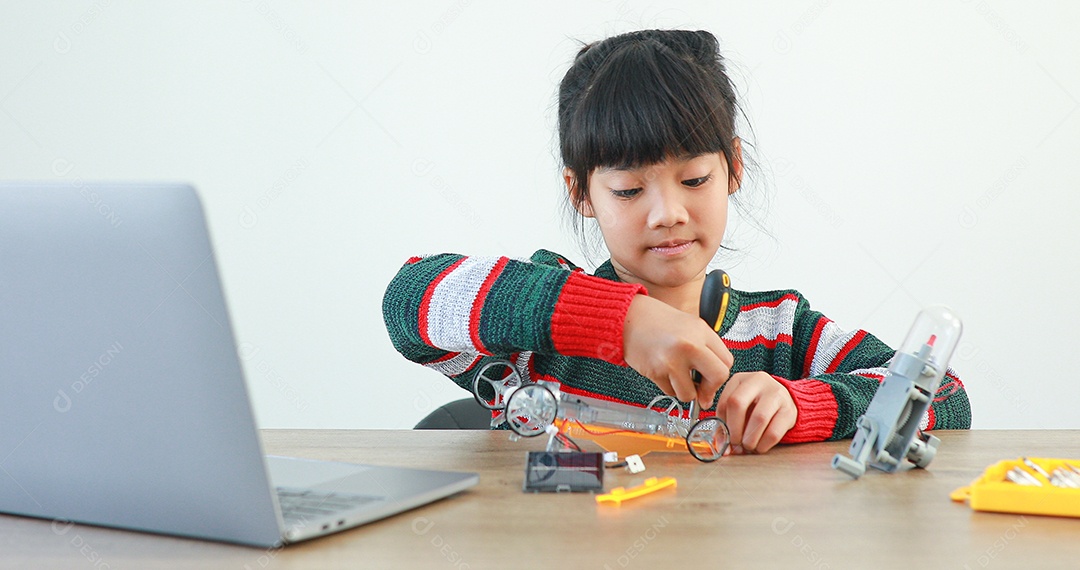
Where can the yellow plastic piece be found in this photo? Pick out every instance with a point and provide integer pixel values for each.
(992, 491)
(651, 485)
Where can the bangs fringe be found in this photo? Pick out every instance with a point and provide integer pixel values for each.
(647, 104)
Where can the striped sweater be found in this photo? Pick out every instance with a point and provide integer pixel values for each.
(454, 313)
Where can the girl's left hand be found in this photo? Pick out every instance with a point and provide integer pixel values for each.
(758, 411)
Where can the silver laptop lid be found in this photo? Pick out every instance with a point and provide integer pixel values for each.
(123, 401)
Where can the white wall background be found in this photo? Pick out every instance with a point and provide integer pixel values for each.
(911, 155)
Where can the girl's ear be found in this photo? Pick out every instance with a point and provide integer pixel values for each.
(736, 166)
(585, 206)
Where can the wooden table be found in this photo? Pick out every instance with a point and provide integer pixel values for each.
(787, 509)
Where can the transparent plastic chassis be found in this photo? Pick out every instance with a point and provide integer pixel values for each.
(530, 409)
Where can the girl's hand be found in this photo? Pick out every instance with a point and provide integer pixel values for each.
(758, 411)
(664, 344)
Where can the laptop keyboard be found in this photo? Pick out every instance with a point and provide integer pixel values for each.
(298, 504)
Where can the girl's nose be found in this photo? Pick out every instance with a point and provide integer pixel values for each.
(667, 209)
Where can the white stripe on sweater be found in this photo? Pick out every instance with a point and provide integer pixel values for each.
(768, 322)
(830, 343)
(451, 304)
(522, 366)
(877, 371)
(456, 365)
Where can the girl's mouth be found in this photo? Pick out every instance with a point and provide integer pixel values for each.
(672, 248)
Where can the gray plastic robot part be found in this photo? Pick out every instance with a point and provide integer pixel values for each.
(889, 432)
(888, 428)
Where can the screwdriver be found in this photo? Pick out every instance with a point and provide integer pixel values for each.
(715, 294)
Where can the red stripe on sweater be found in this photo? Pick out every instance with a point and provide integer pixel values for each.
(588, 394)
(851, 344)
(809, 359)
(413, 260)
(931, 418)
(771, 304)
(949, 388)
(425, 303)
(478, 304)
(758, 340)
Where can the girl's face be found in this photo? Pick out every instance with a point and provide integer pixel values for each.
(662, 223)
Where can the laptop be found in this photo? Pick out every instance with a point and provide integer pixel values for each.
(122, 397)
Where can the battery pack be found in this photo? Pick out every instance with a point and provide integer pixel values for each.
(567, 471)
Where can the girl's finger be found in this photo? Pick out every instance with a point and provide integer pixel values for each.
(683, 385)
(783, 421)
(664, 383)
(714, 373)
(758, 419)
(717, 346)
(734, 403)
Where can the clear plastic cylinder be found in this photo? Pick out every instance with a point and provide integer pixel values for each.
(934, 336)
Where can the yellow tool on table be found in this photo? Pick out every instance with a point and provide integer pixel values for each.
(651, 485)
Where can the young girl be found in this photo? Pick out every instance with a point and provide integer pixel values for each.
(647, 133)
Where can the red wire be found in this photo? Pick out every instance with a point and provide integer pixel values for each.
(587, 430)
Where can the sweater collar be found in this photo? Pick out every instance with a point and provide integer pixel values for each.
(607, 271)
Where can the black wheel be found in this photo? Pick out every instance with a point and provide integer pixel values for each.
(530, 410)
(500, 375)
(708, 439)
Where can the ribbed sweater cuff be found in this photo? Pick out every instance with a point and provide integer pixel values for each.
(589, 317)
(817, 409)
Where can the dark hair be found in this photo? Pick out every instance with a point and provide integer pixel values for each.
(642, 97)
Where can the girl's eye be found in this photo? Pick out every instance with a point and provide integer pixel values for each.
(626, 194)
(695, 182)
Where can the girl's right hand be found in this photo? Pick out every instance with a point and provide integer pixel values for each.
(664, 344)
